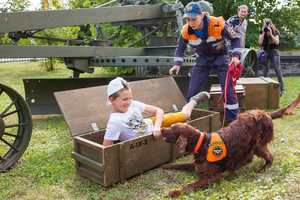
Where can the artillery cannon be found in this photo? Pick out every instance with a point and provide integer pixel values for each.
(158, 23)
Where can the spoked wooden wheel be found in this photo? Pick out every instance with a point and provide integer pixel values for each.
(15, 127)
(249, 60)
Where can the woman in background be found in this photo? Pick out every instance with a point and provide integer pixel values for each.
(269, 41)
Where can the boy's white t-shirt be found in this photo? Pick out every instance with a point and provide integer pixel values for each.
(128, 125)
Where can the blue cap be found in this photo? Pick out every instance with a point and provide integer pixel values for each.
(192, 9)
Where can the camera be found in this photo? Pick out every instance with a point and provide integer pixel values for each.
(234, 21)
(266, 28)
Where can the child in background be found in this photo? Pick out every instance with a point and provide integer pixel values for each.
(126, 120)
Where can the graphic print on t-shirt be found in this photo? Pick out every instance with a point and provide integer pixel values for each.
(136, 122)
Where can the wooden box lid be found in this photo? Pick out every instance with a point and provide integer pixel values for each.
(85, 109)
(256, 80)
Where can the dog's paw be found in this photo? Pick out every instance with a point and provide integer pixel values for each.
(174, 193)
(262, 169)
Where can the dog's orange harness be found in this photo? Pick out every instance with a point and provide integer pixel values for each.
(216, 149)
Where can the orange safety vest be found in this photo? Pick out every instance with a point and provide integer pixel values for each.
(215, 27)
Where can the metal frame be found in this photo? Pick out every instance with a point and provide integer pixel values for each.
(9, 51)
(138, 61)
(21, 21)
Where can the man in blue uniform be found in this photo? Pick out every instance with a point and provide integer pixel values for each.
(206, 34)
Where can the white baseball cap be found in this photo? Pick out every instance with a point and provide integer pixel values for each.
(114, 86)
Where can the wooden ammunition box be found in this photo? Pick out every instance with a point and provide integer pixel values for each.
(216, 102)
(261, 93)
(86, 113)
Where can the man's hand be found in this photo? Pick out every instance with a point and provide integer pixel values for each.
(235, 60)
(232, 31)
(269, 33)
(174, 70)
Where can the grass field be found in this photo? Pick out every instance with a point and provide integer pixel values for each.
(46, 170)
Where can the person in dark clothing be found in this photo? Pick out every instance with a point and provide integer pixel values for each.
(269, 41)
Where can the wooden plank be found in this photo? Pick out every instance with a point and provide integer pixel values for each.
(273, 93)
(111, 161)
(201, 123)
(141, 154)
(89, 143)
(206, 121)
(96, 177)
(76, 149)
(87, 161)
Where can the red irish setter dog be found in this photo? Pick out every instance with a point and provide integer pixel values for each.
(228, 149)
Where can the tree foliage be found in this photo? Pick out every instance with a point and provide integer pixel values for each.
(13, 5)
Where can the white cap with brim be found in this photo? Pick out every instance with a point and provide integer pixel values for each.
(114, 86)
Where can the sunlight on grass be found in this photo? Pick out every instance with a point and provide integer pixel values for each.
(46, 170)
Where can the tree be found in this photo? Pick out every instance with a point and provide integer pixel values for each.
(13, 5)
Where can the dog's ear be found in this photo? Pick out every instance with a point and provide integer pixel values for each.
(170, 134)
(266, 126)
(181, 143)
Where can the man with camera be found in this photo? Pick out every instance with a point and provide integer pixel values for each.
(269, 41)
(238, 27)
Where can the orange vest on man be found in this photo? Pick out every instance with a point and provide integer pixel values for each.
(207, 35)
(214, 43)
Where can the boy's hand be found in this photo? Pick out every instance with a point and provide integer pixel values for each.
(156, 133)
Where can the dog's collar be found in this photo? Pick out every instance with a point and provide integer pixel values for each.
(199, 143)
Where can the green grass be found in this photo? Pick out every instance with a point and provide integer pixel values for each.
(46, 171)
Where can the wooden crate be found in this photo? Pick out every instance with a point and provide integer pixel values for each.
(261, 93)
(216, 101)
(86, 114)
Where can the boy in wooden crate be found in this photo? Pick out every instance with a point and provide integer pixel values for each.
(126, 120)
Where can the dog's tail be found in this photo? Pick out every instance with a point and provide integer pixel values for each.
(288, 110)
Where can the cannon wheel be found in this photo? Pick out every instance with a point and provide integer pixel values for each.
(15, 127)
(249, 60)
